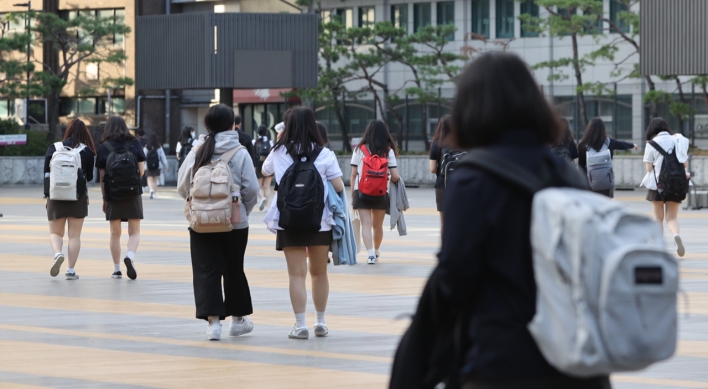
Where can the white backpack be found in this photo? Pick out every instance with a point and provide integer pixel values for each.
(209, 202)
(606, 285)
(64, 172)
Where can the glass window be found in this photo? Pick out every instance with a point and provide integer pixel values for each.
(421, 16)
(67, 106)
(480, 17)
(367, 17)
(345, 16)
(446, 15)
(505, 18)
(326, 16)
(5, 108)
(616, 9)
(87, 105)
(399, 16)
(529, 7)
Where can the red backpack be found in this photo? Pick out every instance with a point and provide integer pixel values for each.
(374, 175)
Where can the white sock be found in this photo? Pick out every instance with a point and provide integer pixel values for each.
(372, 253)
(377, 252)
(300, 320)
(130, 255)
(70, 270)
(213, 320)
(57, 254)
(116, 267)
(320, 318)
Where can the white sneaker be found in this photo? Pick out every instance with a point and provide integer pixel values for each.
(242, 328)
(321, 330)
(213, 332)
(263, 204)
(152, 195)
(299, 333)
(680, 250)
(371, 260)
(56, 266)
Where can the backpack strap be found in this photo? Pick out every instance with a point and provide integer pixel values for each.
(58, 146)
(315, 153)
(365, 150)
(109, 146)
(659, 148)
(227, 156)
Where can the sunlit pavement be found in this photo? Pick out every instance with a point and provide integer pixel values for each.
(97, 332)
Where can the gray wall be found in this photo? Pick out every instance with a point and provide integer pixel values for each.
(674, 36)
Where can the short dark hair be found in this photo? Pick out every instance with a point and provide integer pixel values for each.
(496, 94)
(218, 118)
(262, 130)
(237, 120)
(656, 126)
(141, 132)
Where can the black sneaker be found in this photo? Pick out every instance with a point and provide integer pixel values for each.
(71, 276)
(130, 268)
(117, 274)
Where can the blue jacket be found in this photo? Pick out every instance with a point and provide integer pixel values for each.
(343, 244)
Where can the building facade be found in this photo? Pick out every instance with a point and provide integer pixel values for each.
(486, 25)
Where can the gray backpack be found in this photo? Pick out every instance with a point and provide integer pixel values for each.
(606, 284)
(601, 176)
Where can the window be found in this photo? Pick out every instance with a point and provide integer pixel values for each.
(529, 7)
(117, 105)
(345, 16)
(117, 15)
(86, 105)
(421, 16)
(505, 18)
(367, 16)
(446, 15)
(399, 16)
(616, 10)
(480, 17)
(92, 71)
(7, 108)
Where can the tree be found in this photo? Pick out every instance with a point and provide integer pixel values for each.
(81, 39)
(13, 64)
(573, 18)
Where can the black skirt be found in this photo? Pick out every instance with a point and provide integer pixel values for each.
(381, 204)
(57, 209)
(439, 196)
(125, 210)
(153, 173)
(302, 239)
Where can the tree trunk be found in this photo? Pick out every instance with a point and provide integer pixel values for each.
(346, 143)
(425, 127)
(682, 97)
(654, 107)
(579, 81)
(53, 105)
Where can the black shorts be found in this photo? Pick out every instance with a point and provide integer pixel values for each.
(653, 195)
(302, 239)
(381, 204)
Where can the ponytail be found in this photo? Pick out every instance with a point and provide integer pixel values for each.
(205, 152)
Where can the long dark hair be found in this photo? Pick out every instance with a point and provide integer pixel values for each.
(378, 139)
(567, 134)
(153, 142)
(79, 134)
(595, 135)
(300, 132)
(185, 135)
(656, 126)
(498, 94)
(116, 130)
(218, 118)
(323, 132)
(443, 130)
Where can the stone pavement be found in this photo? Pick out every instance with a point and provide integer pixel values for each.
(98, 332)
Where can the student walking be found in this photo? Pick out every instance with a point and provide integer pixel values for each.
(566, 148)
(156, 161)
(323, 134)
(263, 146)
(299, 214)
(443, 160)
(373, 161)
(596, 151)
(471, 327)
(666, 158)
(121, 163)
(68, 207)
(184, 144)
(217, 255)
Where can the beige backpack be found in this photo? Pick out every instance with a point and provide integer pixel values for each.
(209, 202)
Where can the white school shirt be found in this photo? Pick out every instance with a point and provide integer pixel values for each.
(358, 155)
(278, 161)
(670, 143)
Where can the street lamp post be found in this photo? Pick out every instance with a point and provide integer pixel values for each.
(27, 25)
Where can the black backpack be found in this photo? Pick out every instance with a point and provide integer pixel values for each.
(301, 195)
(672, 183)
(262, 150)
(449, 162)
(153, 159)
(122, 178)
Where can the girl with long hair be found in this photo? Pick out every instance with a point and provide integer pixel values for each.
(301, 139)
(184, 143)
(565, 147)
(117, 139)
(70, 213)
(377, 140)
(263, 146)
(437, 150)
(659, 132)
(156, 160)
(595, 138)
(221, 254)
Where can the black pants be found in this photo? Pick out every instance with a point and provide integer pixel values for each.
(548, 383)
(215, 255)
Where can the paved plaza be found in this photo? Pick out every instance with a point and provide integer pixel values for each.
(99, 332)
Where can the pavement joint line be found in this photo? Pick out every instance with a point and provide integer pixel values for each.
(659, 381)
(193, 343)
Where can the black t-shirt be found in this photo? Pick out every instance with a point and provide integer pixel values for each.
(436, 155)
(134, 148)
(247, 142)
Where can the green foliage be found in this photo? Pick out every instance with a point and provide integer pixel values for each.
(37, 142)
(677, 108)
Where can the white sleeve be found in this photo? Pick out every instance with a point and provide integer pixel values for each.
(268, 168)
(649, 154)
(392, 159)
(178, 148)
(356, 157)
(332, 169)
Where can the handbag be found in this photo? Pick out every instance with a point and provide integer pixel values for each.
(356, 228)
